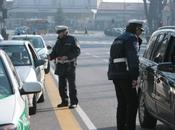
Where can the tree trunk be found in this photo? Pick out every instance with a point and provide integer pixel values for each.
(154, 13)
(172, 9)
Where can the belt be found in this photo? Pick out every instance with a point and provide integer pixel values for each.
(119, 60)
(64, 61)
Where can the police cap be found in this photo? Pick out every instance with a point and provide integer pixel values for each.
(61, 28)
(137, 23)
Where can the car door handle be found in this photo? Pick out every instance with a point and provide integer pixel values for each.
(158, 80)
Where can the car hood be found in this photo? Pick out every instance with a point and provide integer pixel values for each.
(27, 73)
(7, 109)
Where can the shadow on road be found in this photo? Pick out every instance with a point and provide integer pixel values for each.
(51, 109)
(158, 127)
(108, 128)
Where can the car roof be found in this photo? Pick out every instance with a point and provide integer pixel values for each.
(167, 27)
(13, 42)
(26, 35)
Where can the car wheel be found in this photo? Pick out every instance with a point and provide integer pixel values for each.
(41, 99)
(32, 110)
(146, 120)
(47, 70)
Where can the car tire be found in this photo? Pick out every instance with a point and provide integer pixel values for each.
(47, 70)
(32, 110)
(146, 120)
(41, 99)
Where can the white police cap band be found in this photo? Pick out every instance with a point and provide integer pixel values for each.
(61, 28)
(137, 22)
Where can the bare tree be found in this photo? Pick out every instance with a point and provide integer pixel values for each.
(172, 13)
(59, 17)
(154, 13)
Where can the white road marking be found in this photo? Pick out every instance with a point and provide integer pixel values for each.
(79, 110)
(85, 118)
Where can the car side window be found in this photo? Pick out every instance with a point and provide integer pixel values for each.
(37, 43)
(5, 85)
(171, 52)
(160, 48)
(14, 71)
(150, 46)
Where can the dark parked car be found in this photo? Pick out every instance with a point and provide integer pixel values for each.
(157, 80)
(113, 31)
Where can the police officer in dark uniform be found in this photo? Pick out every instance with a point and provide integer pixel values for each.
(65, 52)
(124, 71)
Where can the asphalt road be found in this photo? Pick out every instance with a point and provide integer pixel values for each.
(97, 99)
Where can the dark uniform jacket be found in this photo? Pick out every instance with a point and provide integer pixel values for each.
(124, 47)
(69, 47)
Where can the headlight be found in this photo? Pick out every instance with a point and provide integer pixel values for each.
(8, 127)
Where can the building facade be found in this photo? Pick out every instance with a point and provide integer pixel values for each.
(73, 10)
(117, 14)
(79, 14)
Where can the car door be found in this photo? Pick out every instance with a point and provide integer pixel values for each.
(147, 69)
(38, 69)
(161, 84)
(171, 76)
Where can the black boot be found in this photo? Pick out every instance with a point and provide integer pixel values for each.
(63, 104)
(72, 106)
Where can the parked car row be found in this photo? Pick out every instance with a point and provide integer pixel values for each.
(113, 31)
(23, 65)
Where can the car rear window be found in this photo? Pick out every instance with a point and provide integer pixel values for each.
(18, 54)
(36, 41)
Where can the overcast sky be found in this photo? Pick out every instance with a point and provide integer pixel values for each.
(123, 0)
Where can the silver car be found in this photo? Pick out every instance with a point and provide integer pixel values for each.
(28, 65)
(40, 46)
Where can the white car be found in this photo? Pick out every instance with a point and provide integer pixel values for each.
(40, 46)
(14, 114)
(28, 65)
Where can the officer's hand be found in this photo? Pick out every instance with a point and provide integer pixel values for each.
(58, 58)
(64, 58)
(134, 83)
(48, 57)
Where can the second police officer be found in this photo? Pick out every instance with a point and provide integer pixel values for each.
(124, 71)
(65, 52)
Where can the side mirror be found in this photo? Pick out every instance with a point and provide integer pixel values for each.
(30, 87)
(166, 66)
(49, 47)
(39, 62)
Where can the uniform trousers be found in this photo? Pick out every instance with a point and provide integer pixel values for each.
(70, 78)
(127, 104)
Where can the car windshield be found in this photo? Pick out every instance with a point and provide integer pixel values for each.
(18, 54)
(5, 86)
(36, 41)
